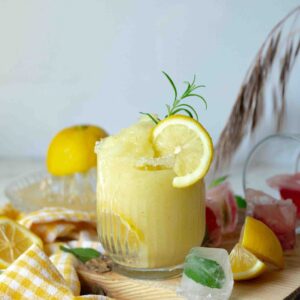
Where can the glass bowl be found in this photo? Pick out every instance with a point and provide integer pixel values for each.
(39, 190)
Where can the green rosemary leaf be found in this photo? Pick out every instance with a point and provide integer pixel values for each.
(183, 109)
(195, 88)
(168, 108)
(151, 117)
(83, 254)
(172, 83)
(194, 79)
(176, 102)
(218, 181)
(191, 108)
(187, 91)
(202, 98)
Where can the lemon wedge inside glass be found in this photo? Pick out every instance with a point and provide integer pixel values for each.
(190, 144)
(120, 232)
(15, 239)
(244, 264)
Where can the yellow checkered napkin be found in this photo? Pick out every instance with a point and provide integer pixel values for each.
(34, 277)
(58, 222)
(87, 239)
(51, 214)
(51, 231)
(65, 264)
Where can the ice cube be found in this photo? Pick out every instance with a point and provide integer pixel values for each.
(288, 186)
(207, 275)
(221, 200)
(279, 215)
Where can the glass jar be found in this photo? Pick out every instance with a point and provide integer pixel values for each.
(272, 166)
(275, 154)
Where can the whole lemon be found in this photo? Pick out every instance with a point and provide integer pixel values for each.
(72, 150)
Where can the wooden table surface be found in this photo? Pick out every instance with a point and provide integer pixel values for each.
(272, 285)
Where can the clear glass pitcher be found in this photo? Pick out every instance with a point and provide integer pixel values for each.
(276, 155)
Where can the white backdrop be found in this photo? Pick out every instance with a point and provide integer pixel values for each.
(99, 61)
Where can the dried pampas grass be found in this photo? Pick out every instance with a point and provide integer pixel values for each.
(281, 45)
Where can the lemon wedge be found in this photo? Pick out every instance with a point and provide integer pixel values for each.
(190, 144)
(120, 232)
(244, 264)
(260, 240)
(14, 240)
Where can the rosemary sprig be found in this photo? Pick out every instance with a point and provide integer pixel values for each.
(152, 117)
(178, 105)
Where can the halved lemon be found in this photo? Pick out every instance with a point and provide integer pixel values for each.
(14, 240)
(119, 233)
(190, 144)
(244, 264)
(260, 240)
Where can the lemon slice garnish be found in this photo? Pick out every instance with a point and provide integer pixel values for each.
(191, 145)
(244, 264)
(15, 239)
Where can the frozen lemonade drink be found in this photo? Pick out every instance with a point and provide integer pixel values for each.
(151, 193)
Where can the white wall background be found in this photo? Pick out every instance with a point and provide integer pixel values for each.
(99, 61)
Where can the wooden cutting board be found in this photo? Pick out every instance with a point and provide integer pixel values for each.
(272, 285)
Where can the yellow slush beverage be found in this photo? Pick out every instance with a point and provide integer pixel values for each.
(144, 223)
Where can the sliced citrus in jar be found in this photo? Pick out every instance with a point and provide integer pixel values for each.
(260, 240)
(190, 144)
(15, 239)
(244, 264)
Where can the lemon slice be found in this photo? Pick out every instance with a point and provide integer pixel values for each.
(244, 264)
(14, 240)
(188, 141)
(260, 240)
(120, 233)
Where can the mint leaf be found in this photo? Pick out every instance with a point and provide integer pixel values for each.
(83, 254)
(218, 181)
(240, 201)
(204, 271)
